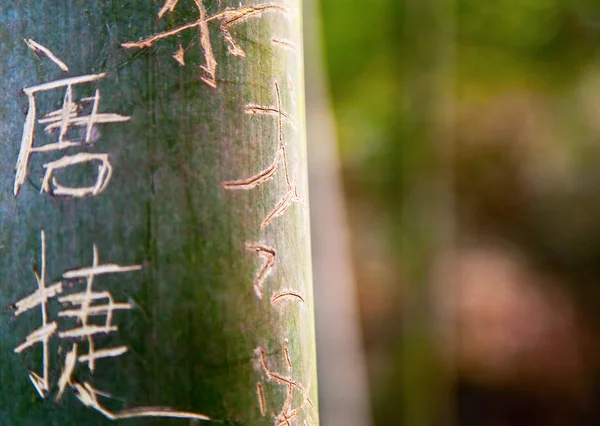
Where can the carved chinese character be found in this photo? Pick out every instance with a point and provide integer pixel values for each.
(84, 306)
(287, 413)
(70, 116)
(227, 18)
(92, 312)
(280, 160)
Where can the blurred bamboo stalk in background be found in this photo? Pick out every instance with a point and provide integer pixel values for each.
(427, 232)
(343, 388)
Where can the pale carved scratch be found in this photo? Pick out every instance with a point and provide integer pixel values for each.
(210, 69)
(286, 44)
(287, 404)
(288, 361)
(42, 334)
(36, 47)
(291, 195)
(286, 294)
(67, 372)
(256, 180)
(38, 383)
(269, 255)
(51, 186)
(269, 110)
(285, 416)
(261, 399)
(179, 56)
(280, 208)
(293, 413)
(273, 375)
(286, 413)
(35, 299)
(168, 7)
(227, 18)
(88, 395)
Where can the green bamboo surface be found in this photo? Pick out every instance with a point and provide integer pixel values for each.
(196, 322)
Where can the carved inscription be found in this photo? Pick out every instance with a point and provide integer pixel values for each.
(61, 121)
(268, 254)
(85, 319)
(286, 44)
(285, 295)
(288, 411)
(38, 48)
(260, 393)
(92, 312)
(89, 311)
(280, 160)
(227, 19)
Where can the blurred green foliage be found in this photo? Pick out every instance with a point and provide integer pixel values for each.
(542, 43)
(404, 72)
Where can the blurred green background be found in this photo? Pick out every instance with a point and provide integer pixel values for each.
(469, 138)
